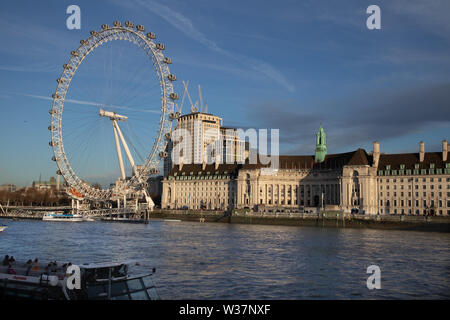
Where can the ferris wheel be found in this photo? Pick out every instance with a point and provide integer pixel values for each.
(118, 118)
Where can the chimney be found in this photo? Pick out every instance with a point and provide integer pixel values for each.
(58, 177)
(376, 153)
(444, 150)
(217, 162)
(422, 150)
(180, 166)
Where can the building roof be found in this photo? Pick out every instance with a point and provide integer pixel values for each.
(332, 161)
(411, 159)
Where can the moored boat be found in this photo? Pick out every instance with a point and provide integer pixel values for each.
(100, 281)
(54, 216)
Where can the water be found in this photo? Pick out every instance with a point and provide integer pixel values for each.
(231, 261)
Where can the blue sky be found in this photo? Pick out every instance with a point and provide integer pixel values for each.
(265, 64)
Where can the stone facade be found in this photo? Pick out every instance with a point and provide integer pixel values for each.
(415, 183)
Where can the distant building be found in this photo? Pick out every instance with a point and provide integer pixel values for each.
(41, 185)
(375, 183)
(9, 187)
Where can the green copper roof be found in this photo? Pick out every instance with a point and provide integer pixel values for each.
(321, 145)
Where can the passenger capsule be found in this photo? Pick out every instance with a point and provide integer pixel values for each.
(51, 128)
(163, 154)
(66, 66)
(52, 144)
(60, 80)
(75, 53)
(59, 173)
(82, 42)
(117, 24)
(105, 26)
(174, 115)
(129, 24)
(172, 77)
(151, 35)
(174, 96)
(160, 46)
(55, 159)
(154, 171)
(140, 27)
(167, 60)
(168, 135)
(93, 33)
(55, 96)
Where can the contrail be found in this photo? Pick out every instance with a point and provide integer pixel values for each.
(90, 103)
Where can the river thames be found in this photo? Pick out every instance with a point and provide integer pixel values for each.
(233, 261)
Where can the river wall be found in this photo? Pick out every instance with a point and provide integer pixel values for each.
(321, 219)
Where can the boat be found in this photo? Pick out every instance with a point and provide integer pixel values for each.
(100, 281)
(54, 216)
(125, 220)
(3, 227)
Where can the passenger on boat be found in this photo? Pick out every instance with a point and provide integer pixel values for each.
(35, 265)
(6, 260)
(12, 260)
(11, 270)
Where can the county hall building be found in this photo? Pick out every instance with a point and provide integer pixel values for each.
(356, 181)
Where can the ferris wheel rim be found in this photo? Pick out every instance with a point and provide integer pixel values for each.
(77, 186)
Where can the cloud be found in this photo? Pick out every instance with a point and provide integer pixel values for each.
(185, 25)
(42, 67)
(90, 103)
(363, 118)
(431, 14)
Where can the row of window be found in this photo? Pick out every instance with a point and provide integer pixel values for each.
(415, 180)
(417, 212)
(415, 172)
(416, 187)
(418, 203)
(432, 194)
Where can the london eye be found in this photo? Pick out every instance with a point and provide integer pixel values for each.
(122, 98)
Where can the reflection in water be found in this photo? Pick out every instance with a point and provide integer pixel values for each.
(230, 261)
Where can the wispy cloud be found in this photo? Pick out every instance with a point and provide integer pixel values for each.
(185, 25)
(30, 68)
(91, 103)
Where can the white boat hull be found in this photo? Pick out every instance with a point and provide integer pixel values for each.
(2, 228)
(63, 217)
